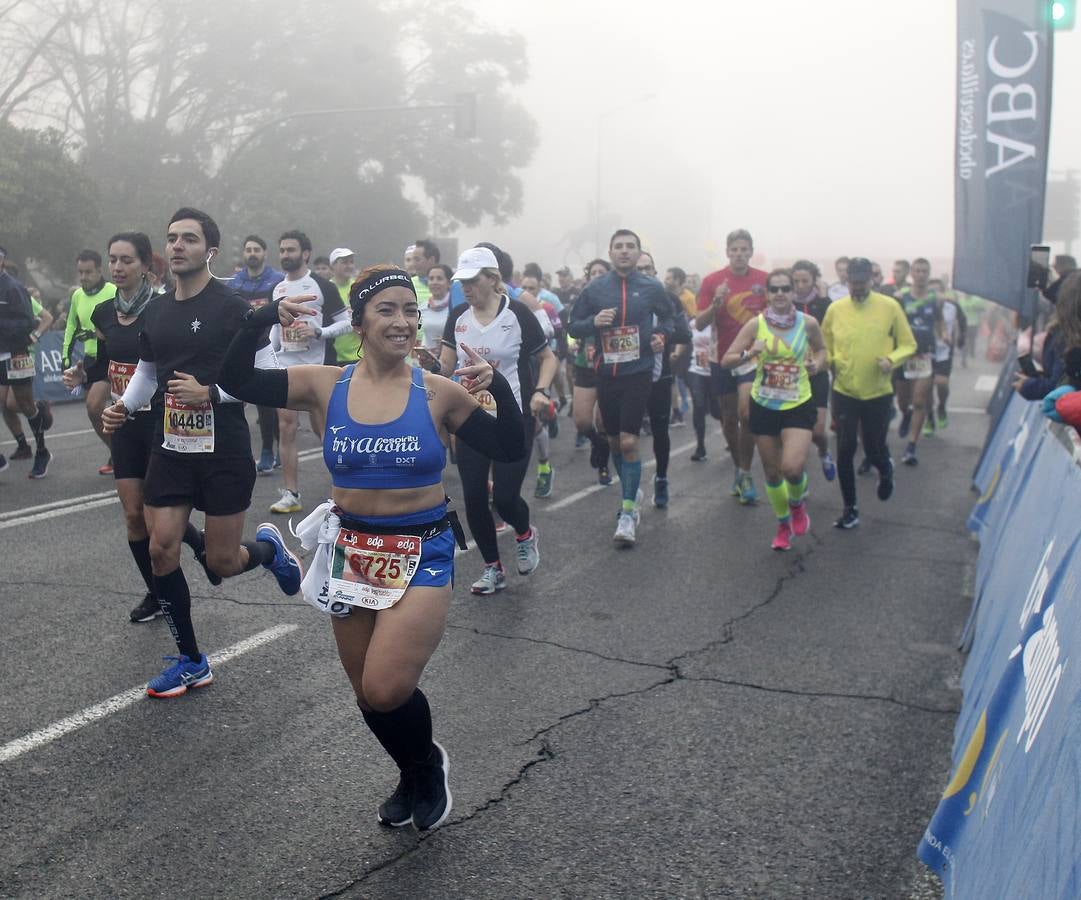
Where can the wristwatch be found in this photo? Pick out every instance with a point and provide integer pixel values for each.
(547, 393)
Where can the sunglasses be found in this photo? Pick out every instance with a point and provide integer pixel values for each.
(780, 289)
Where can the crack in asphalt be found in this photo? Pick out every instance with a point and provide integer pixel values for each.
(545, 753)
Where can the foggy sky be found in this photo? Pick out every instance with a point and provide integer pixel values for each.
(825, 128)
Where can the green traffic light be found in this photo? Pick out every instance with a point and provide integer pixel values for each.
(1063, 14)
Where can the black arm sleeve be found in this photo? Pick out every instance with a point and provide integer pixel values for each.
(238, 375)
(501, 439)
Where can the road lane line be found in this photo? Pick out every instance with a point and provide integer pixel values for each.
(56, 513)
(967, 410)
(123, 700)
(53, 437)
(986, 383)
(55, 504)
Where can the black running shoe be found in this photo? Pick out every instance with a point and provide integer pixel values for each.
(906, 423)
(4, 462)
(197, 541)
(45, 410)
(431, 799)
(850, 518)
(40, 469)
(865, 467)
(699, 454)
(146, 610)
(23, 452)
(885, 483)
(397, 809)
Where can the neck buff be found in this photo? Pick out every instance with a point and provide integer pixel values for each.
(805, 301)
(138, 301)
(438, 304)
(363, 291)
(784, 321)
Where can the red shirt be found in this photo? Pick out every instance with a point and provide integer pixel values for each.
(746, 299)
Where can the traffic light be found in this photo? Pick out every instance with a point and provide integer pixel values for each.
(1063, 14)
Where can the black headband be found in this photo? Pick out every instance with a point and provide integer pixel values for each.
(363, 291)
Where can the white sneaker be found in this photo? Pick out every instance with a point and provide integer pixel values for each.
(493, 579)
(289, 503)
(528, 553)
(625, 530)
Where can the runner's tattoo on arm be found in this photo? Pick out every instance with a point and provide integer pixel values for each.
(430, 393)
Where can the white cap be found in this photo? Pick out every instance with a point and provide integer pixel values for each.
(473, 260)
(339, 253)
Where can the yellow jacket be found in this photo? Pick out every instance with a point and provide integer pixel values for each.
(857, 335)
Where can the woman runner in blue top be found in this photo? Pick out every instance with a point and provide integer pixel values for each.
(385, 556)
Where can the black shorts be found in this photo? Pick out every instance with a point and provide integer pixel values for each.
(623, 401)
(217, 485)
(585, 377)
(724, 382)
(820, 390)
(24, 376)
(131, 446)
(765, 421)
(943, 368)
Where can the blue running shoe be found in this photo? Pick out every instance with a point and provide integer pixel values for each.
(285, 566)
(748, 495)
(266, 462)
(183, 674)
(829, 467)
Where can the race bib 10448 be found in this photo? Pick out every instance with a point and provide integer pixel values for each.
(189, 428)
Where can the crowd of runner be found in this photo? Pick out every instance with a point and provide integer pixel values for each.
(400, 366)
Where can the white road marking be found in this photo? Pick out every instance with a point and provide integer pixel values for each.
(56, 513)
(53, 437)
(69, 501)
(986, 383)
(123, 700)
(967, 410)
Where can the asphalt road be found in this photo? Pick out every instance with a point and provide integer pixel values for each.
(696, 717)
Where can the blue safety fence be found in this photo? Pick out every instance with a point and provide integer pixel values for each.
(1009, 822)
(49, 366)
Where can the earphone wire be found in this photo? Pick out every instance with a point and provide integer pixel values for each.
(211, 274)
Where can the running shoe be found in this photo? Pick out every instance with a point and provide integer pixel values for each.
(528, 552)
(942, 421)
(40, 469)
(783, 540)
(906, 423)
(183, 674)
(829, 467)
(885, 483)
(660, 492)
(748, 495)
(850, 518)
(865, 467)
(285, 566)
(603, 476)
(801, 520)
(197, 542)
(45, 410)
(277, 461)
(544, 484)
(734, 491)
(581, 441)
(148, 609)
(289, 503)
(106, 469)
(909, 458)
(677, 420)
(928, 427)
(625, 530)
(491, 580)
(432, 801)
(266, 463)
(23, 452)
(699, 454)
(397, 809)
(4, 464)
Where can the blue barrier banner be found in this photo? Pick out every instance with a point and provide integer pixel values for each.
(1003, 122)
(1009, 822)
(49, 377)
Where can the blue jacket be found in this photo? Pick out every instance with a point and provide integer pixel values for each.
(642, 308)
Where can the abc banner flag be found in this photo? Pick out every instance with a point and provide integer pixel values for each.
(1003, 120)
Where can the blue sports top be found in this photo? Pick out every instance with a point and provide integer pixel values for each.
(404, 453)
